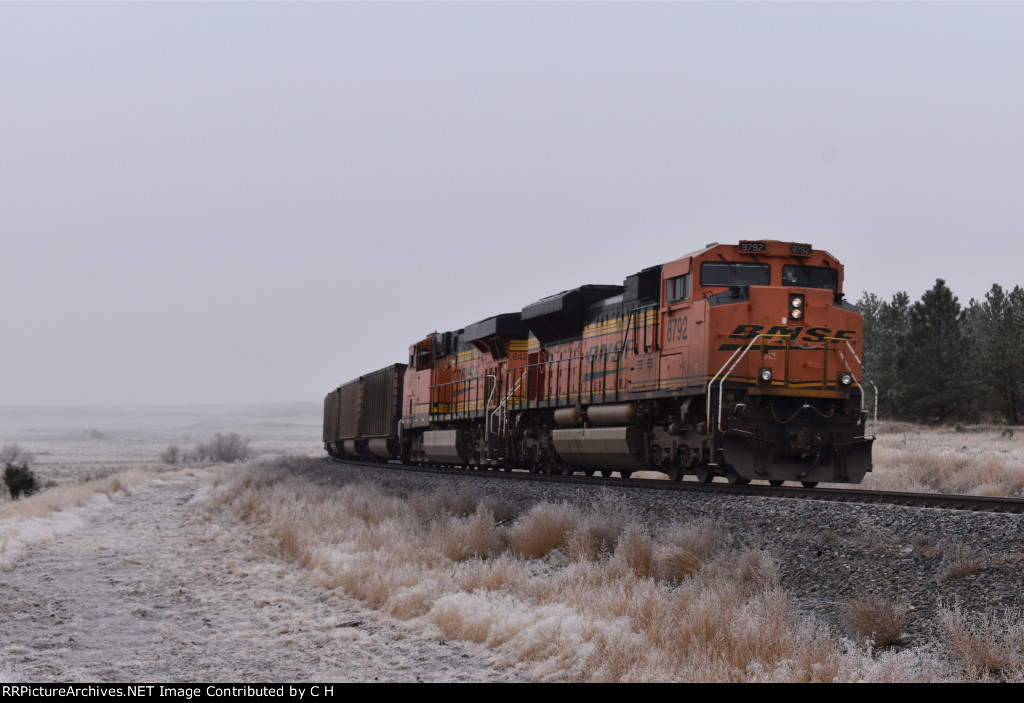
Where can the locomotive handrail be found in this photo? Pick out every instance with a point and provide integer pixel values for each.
(738, 351)
(490, 397)
(441, 396)
(874, 388)
(632, 320)
(501, 407)
(555, 370)
(738, 358)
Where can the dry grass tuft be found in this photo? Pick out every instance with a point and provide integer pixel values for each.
(500, 509)
(636, 551)
(431, 506)
(922, 544)
(594, 536)
(684, 549)
(750, 570)
(501, 572)
(957, 562)
(544, 529)
(985, 644)
(463, 538)
(878, 621)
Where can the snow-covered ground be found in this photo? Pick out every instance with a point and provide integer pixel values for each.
(135, 584)
(124, 569)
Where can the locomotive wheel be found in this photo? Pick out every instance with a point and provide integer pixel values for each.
(606, 473)
(809, 484)
(625, 474)
(775, 482)
(589, 472)
(675, 473)
(737, 480)
(704, 474)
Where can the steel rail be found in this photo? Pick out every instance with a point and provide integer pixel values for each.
(940, 501)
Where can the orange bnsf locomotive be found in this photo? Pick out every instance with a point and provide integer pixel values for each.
(741, 361)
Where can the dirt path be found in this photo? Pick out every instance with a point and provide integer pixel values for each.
(148, 590)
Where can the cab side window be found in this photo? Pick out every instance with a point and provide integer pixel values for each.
(677, 288)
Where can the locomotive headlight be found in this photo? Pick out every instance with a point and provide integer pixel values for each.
(796, 307)
(845, 379)
(765, 375)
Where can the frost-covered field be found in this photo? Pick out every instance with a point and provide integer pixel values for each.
(115, 573)
(129, 569)
(74, 444)
(974, 460)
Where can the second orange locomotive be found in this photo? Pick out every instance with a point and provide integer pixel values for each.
(737, 360)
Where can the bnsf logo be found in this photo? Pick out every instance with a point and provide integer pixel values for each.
(809, 335)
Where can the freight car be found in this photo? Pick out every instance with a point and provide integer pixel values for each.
(741, 361)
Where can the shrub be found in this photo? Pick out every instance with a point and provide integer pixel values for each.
(985, 643)
(684, 549)
(875, 619)
(958, 561)
(20, 480)
(542, 530)
(225, 447)
(465, 538)
(594, 536)
(171, 455)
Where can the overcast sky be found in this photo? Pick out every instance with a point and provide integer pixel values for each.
(206, 203)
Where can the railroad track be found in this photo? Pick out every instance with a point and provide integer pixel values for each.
(838, 495)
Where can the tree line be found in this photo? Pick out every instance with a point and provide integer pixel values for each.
(935, 361)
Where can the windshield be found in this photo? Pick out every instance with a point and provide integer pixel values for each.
(810, 277)
(734, 273)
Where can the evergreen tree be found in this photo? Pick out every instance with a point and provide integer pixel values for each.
(885, 349)
(996, 328)
(20, 480)
(937, 359)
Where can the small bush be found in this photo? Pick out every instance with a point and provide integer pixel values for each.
(594, 536)
(985, 643)
(686, 548)
(542, 530)
(875, 619)
(225, 447)
(958, 561)
(171, 455)
(20, 480)
(465, 538)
